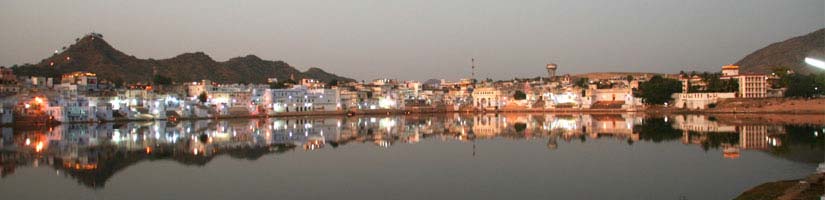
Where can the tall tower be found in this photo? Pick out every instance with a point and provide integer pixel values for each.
(551, 70)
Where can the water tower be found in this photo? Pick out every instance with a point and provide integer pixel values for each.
(551, 70)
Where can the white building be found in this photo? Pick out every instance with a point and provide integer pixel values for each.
(730, 70)
(753, 86)
(300, 99)
(699, 100)
(750, 85)
(488, 98)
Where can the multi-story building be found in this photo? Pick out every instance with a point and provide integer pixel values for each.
(301, 99)
(8, 82)
(488, 98)
(730, 70)
(85, 81)
(750, 85)
(753, 85)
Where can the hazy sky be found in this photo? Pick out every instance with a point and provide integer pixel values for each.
(420, 39)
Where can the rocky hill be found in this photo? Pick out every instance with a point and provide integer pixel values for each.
(92, 53)
(790, 53)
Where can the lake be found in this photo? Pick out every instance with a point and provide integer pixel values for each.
(442, 156)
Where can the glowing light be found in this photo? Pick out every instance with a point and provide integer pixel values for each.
(39, 147)
(28, 142)
(386, 103)
(815, 62)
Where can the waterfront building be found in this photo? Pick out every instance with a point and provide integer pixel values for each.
(37, 82)
(301, 99)
(488, 98)
(566, 99)
(699, 100)
(8, 82)
(312, 83)
(85, 81)
(690, 82)
(750, 85)
(619, 96)
(196, 88)
(753, 85)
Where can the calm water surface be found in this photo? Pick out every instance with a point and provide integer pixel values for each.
(509, 156)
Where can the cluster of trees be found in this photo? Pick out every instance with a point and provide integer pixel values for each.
(804, 85)
(800, 85)
(582, 82)
(714, 83)
(658, 90)
(282, 84)
(162, 80)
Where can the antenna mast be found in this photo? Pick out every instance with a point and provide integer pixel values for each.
(473, 66)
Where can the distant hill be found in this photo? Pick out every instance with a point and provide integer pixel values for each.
(92, 53)
(790, 53)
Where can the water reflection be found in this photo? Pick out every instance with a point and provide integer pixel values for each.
(93, 153)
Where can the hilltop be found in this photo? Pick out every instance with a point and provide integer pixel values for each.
(790, 53)
(92, 53)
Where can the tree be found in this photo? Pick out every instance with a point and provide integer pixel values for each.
(582, 82)
(118, 82)
(659, 90)
(333, 82)
(519, 95)
(805, 85)
(162, 80)
(714, 83)
(282, 84)
(202, 97)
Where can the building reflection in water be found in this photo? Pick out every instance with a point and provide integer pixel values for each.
(92, 153)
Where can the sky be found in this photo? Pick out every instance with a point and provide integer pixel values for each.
(420, 39)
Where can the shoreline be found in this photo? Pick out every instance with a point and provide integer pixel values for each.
(810, 187)
(752, 115)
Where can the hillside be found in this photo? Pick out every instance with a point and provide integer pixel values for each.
(790, 53)
(92, 53)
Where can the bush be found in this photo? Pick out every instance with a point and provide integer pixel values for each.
(519, 95)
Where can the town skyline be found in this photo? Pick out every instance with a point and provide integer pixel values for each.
(372, 49)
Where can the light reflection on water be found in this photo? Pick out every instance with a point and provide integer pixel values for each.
(577, 146)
